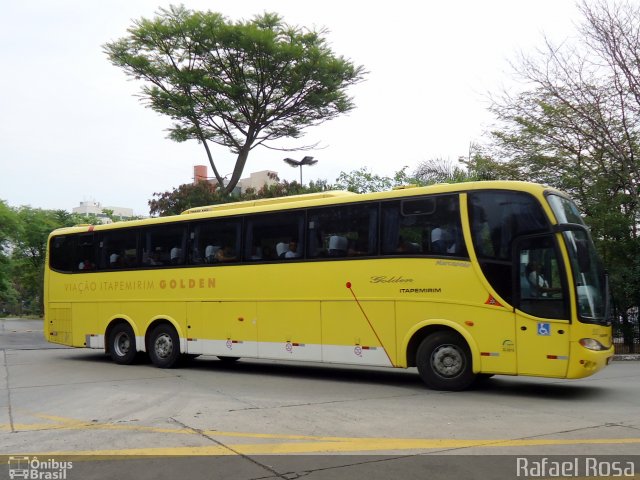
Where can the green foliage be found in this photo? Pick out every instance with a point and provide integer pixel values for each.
(23, 241)
(478, 166)
(185, 197)
(204, 193)
(285, 188)
(363, 180)
(576, 127)
(8, 224)
(238, 84)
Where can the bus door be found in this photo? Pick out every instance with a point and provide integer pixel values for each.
(542, 307)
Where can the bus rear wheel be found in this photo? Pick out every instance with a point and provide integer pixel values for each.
(164, 346)
(444, 362)
(122, 344)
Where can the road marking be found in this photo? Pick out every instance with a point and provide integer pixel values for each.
(319, 447)
(283, 443)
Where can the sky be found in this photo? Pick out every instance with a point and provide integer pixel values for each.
(72, 128)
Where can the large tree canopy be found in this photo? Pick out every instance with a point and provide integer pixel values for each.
(576, 126)
(237, 84)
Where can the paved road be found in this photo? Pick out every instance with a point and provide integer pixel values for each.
(323, 422)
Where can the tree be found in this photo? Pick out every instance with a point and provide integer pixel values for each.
(8, 224)
(577, 127)
(184, 197)
(29, 252)
(363, 180)
(237, 84)
(23, 242)
(204, 193)
(479, 165)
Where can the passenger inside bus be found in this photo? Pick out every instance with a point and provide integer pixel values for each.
(115, 260)
(292, 251)
(86, 265)
(175, 256)
(210, 253)
(225, 254)
(338, 246)
(281, 249)
(539, 284)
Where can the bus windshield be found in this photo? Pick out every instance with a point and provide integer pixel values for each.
(588, 274)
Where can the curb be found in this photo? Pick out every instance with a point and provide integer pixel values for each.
(626, 357)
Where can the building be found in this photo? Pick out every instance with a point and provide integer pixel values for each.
(256, 180)
(95, 209)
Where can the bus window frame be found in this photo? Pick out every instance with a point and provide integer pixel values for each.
(562, 272)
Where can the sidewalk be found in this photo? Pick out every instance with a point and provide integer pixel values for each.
(626, 357)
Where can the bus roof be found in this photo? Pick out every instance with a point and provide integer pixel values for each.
(313, 199)
(269, 201)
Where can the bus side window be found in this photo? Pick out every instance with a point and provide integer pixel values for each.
(425, 226)
(497, 218)
(85, 253)
(216, 241)
(347, 231)
(61, 253)
(275, 236)
(163, 245)
(117, 249)
(541, 281)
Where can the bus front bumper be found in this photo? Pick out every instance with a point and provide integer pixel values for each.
(585, 362)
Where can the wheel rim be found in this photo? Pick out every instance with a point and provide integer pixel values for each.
(163, 346)
(122, 344)
(448, 361)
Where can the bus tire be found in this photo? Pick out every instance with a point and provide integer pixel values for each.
(122, 344)
(444, 362)
(164, 346)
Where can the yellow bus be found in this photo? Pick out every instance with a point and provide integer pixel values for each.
(462, 281)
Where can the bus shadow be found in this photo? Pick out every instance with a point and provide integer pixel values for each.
(341, 373)
(253, 367)
(540, 389)
(501, 386)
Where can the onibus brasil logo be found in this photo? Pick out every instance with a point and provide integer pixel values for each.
(34, 469)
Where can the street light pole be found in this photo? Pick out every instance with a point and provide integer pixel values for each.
(299, 163)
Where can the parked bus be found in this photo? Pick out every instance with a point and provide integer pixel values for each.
(462, 281)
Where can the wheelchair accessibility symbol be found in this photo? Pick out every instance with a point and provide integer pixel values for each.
(544, 329)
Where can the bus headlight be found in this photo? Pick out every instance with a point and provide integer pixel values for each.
(592, 344)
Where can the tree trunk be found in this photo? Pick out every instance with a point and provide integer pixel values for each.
(238, 169)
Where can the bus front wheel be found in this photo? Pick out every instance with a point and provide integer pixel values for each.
(122, 344)
(164, 346)
(444, 362)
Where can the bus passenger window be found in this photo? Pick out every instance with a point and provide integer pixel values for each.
(215, 241)
(163, 245)
(274, 236)
(85, 254)
(497, 218)
(349, 231)
(427, 226)
(117, 249)
(61, 251)
(541, 279)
